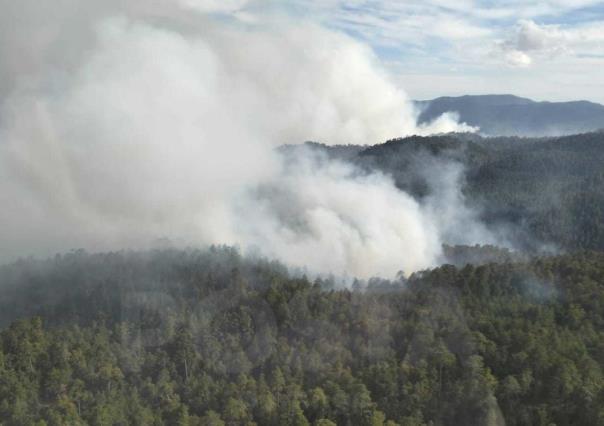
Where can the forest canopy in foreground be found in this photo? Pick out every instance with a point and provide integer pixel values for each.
(211, 337)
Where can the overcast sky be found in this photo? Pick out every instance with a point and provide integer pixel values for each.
(544, 49)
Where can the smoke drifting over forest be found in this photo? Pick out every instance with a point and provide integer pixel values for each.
(123, 124)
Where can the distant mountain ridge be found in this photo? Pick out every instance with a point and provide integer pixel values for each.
(509, 115)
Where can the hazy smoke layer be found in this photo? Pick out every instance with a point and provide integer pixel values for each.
(123, 124)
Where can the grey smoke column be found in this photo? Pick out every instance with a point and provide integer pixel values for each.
(124, 122)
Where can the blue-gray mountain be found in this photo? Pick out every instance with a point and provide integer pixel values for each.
(507, 115)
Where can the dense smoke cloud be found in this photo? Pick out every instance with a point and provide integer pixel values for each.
(123, 124)
(329, 215)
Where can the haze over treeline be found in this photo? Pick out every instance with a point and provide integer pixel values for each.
(531, 194)
(209, 337)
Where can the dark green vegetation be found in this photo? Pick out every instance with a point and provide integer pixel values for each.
(212, 338)
(512, 115)
(540, 193)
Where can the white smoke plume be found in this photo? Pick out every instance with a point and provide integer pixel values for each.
(124, 122)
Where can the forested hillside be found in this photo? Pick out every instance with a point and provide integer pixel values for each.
(540, 192)
(209, 337)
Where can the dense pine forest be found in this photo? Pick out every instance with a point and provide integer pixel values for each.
(210, 337)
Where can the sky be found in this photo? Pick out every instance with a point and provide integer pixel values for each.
(542, 49)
